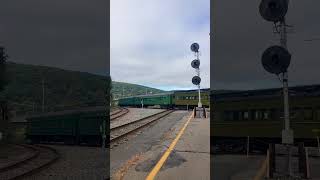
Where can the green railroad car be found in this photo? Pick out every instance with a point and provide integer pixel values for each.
(71, 127)
(258, 114)
(189, 98)
(176, 99)
(164, 100)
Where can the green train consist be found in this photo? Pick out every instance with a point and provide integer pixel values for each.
(176, 99)
(70, 127)
(259, 115)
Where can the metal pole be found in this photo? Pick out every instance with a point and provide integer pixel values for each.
(198, 72)
(104, 136)
(283, 41)
(318, 143)
(248, 143)
(268, 164)
(42, 94)
(307, 163)
(287, 133)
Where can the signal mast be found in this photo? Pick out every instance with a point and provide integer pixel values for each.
(276, 60)
(196, 65)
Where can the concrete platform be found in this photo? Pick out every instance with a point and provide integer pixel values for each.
(236, 167)
(189, 160)
(194, 148)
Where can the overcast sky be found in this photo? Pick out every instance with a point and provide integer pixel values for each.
(150, 42)
(241, 35)
(67, 34)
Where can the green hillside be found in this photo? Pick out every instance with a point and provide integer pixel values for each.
(120, 90)
(62, 88)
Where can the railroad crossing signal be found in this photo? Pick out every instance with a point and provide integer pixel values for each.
(273, 10)
(195, 47)
(276, 59)
(196, 80)
(196, 65)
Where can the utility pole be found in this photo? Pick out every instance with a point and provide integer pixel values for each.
(104, 136)
(42, 94)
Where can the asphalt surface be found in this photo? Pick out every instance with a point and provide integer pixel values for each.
(127, 154)
(235, 167)
(190, 158)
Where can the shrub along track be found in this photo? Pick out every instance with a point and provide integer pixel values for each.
(119, 113)
(42, 157)
(119, 132)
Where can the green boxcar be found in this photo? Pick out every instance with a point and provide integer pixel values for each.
(74, 127)
(89, 127)
(52, 125)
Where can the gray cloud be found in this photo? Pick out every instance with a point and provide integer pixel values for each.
(241, 36)
(67, 34)
(150, 42)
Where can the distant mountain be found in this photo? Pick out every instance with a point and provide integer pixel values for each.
(63, 89)
(120, 89)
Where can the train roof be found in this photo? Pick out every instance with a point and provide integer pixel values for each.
(68, 112)
(306, 90)
(168, 93)
(147, 95)
(193, 90)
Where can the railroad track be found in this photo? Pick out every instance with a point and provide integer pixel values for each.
(118, 132)
(42, 157)
(119, 113)
(115, 111)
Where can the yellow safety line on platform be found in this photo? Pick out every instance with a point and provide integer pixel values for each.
(262, 171)
(164, 157)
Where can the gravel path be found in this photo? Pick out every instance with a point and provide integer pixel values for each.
(134, 114)
(76, 162)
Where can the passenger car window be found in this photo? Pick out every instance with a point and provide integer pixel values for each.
(308, 114)
(266, 114)
(245, 115)
(228, 116)
(318, 114)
